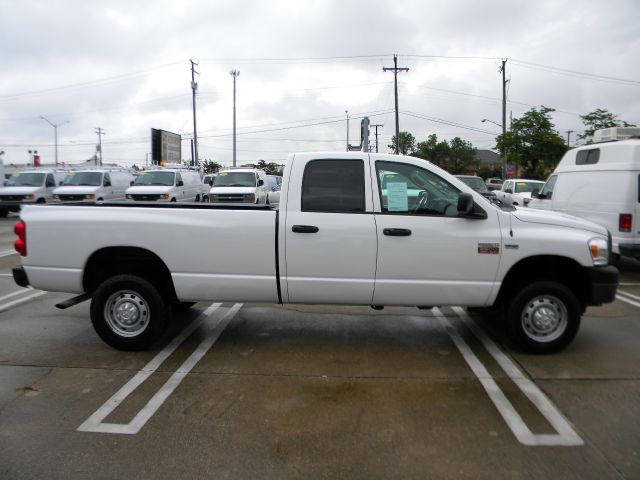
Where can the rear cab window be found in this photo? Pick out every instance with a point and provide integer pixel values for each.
(333, 186)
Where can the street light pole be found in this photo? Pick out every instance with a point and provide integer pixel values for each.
(55, 134)
(235, 74)
(347, 114)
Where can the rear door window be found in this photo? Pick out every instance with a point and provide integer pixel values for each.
(333, 186)
(588, 157)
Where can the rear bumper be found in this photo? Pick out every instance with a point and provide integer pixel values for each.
(630, 249)
(604, 283)
(20, 276)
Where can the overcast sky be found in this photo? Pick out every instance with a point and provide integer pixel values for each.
(124, 66)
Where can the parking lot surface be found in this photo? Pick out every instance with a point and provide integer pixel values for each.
(268, 391)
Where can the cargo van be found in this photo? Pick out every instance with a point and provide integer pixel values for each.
(600, 182)
(94, 185)
(168, 185)
(239, 185)
(29, 186)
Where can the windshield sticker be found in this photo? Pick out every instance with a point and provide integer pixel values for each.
(222, 174)
(397, 198)
(142, 173)
(520, 184)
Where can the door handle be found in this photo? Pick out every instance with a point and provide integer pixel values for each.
(397, 232)
(305, 229)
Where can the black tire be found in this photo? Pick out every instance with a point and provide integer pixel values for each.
(197, 199)
(4, 212)
(118, 299)
(543, 317)
(205, 199)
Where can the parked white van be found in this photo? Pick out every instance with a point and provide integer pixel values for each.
(94, 185)
(601, 182)
(239, 185)
(29, 186)
(168, 185)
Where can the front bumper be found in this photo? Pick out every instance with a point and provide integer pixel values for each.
(20, 276)
(630, 250)
(604, 283)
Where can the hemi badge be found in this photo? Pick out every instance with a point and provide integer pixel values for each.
(511, 247)
(489, 248)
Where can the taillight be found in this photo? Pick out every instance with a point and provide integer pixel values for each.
(624, 222)
(20, 229)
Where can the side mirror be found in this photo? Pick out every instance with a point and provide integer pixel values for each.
(508, 190)
(107, 184)
(260, 183)
(465, 204)
(131, 183)
(535, 193)
(59, 183)
(211, 183)
(180, 183)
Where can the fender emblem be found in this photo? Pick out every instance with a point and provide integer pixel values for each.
(489, 248)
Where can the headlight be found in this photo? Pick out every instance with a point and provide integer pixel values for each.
(31, 196)
(599, 250)
(129, 196)
(90, 196)
(56, 197)
(250, 197)
(165, 196)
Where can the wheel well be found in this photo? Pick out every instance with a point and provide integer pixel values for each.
(545, 267)
(111, 261)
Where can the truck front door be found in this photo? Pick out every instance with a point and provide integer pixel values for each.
(329, 231)
(427, 254)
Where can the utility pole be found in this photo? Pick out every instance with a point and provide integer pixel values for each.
(100, 132)
(346, 112)
(503, 70)
(395, 71)
(235, 74)
(569, 132)
(376, 127)
(55, 134)
(194, 89)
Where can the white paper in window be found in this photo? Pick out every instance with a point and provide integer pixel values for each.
(397, 198)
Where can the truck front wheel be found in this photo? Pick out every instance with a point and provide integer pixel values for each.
(128, 312)
(543, 317)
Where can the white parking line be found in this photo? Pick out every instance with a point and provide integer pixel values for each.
(566, 436)
(7, 306)
(94, 422)
(628, 298)
(6, 253)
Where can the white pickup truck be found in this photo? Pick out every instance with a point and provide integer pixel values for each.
(351, 228)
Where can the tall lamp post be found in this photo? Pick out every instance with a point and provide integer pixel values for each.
(347, 114)
(235, 74)
(55, 133)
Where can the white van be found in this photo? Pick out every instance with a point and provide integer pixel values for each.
(94, 185)
(29, 186)
(168, 185)
(600, 182)
(239, 185)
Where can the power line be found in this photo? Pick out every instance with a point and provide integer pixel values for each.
(575, 73)
(448, 122)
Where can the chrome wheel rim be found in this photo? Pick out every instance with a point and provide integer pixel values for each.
(544, 318)
(127, 313)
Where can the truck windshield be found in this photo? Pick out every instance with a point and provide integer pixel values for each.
(476, 183)
(26, 179)
(155, 178)
(235, 179)
(93, 179)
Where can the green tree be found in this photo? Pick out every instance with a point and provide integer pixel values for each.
(462, 156)
(407, 143)
(209, 166)
(533, 144)
(600, 118)
(434, 151)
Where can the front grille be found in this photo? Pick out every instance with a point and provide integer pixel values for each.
(228, 197)
(12, 198)
(147, 197)
(71, 198)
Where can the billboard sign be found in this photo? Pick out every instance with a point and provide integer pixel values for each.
(166, 147)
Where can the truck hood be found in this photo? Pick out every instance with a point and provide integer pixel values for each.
(236, 190)
(549, 217)
(75, 190)
(18, 190)
(148, 190)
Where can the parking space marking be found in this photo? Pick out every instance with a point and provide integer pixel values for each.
(628, 298)
(6, 253)
(95, 422)
(7, 306)
(566, 435)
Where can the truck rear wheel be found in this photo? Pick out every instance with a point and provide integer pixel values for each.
(128, 312)
(543, 317)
